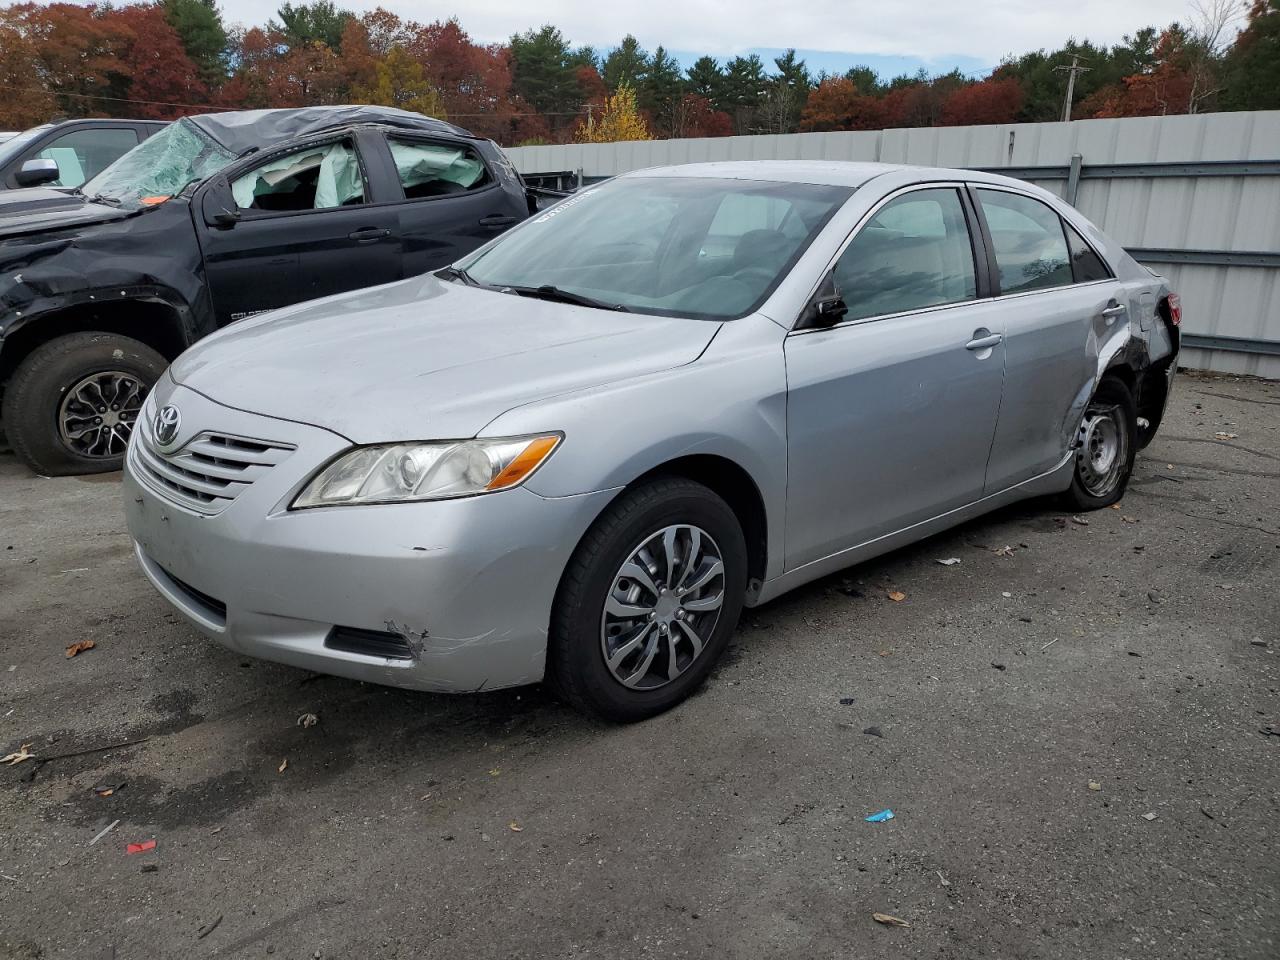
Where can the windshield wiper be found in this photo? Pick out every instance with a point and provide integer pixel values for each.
(555, 294)
(457, 273)
(103, 198)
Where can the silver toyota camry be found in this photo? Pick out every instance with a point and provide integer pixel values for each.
(577, 453)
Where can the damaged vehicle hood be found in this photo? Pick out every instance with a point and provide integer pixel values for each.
(425, 359)
(37, 209)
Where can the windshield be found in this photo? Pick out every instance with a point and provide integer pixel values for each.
(160, 166)
(689, 246)
(16, 144)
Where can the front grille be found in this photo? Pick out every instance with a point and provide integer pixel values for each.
(209, 471)
(371, 643)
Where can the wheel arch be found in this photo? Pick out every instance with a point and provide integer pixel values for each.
(152, 319)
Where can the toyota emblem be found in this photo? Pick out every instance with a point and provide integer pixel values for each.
(166, 425)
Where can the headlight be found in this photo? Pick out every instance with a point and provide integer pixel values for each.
(398, 472)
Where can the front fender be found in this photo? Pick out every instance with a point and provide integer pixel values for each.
(730, 403)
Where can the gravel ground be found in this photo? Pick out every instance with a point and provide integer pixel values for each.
(1072, 748)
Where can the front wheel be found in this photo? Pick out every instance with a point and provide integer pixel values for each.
(71, 405)
(648, 601)
(1107, 447)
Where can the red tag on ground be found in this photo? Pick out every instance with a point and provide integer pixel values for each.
(142, 847)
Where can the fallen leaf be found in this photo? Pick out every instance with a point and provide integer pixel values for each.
(1005, 551)
(1222, 435)
(897, 596)
(494, 772)
(1115, 506)
(425, 796)
(884, 653)
(1094, 785)
(79, 647)
(1080, 520)
(889, 920)
(1148, 816)
(283, 765)
(1128, 519)
(22, 753)
(142, 847)
(308, 720)
(515, 827)
(949, 562)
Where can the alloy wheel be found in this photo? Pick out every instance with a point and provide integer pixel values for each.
(663, 605)
(98, 413)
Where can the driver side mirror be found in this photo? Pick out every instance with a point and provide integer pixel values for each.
(37, 171)
(219, 205)
(826, 309)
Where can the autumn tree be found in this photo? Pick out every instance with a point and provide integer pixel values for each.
(836, 104)
(399, 81)
(991, 101)
(26, 102)
(620, 120)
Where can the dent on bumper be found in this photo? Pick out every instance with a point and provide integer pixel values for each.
(468, 584)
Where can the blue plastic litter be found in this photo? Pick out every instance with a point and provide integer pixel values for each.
(880, 817)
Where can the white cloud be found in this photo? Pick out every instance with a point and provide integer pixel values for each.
(929, 29)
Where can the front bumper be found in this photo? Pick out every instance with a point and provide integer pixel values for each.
(467, 585)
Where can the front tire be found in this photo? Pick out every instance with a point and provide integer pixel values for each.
(648, 601)
(1108, 445)
(71, 404)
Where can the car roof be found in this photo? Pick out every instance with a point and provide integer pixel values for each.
(241, 130)
(842, 173)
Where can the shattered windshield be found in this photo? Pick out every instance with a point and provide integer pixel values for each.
(160, 166)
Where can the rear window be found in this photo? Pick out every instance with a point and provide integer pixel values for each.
(437, 170)
(1030, 247)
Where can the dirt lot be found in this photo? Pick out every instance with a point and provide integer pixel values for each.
(1139, 653)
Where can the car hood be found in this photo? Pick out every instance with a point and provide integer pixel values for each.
(427, 359)
(36, 209)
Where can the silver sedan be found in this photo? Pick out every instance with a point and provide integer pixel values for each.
(577, 453)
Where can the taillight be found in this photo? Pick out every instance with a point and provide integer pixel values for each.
(1175, 308)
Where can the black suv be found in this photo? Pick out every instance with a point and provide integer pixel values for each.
(215, 218)
(67, 154)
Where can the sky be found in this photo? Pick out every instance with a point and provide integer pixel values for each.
(892, 36)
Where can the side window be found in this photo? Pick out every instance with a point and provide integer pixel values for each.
(315, 178)
(435, 169)
(83, 154)
(914, 253)
(1030, 248)
(1085, 264)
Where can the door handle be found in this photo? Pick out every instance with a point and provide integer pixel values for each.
(368, 234)
(1114, 310)
(985, 342)
(497, 220)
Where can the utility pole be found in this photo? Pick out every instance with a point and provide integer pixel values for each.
(1071, 73)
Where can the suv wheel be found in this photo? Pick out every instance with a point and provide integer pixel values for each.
(1108, 445)
(648, 601)
(71, 404)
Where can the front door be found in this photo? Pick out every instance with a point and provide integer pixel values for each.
(306, 230)
(891, 413)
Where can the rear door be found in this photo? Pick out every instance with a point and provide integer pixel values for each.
(891, 413)
(1058, 303)
(307, 228)
(451, 200)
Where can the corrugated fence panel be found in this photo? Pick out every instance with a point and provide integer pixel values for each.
(1198, 215)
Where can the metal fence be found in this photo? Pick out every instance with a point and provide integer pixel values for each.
(1195, 197)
